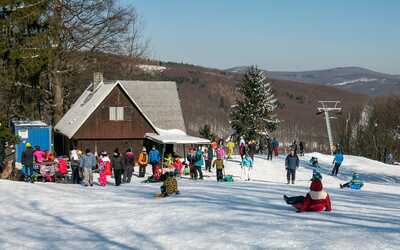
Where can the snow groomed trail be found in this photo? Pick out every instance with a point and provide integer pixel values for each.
(207, 214)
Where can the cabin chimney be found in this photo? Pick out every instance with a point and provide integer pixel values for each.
(97, 80)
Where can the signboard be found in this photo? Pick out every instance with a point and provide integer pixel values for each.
(23, 134)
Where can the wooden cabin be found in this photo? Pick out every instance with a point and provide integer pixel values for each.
(111, 114)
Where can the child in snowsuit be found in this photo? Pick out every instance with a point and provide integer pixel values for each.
(221, 152)
(337, 161)
(291, 164)
(247, 165)
(314, 162)
(354, 183)
(316, 169)
(198, 163)
(178, 166)
(129, 166)
(210, 158)
(219, 165)
(102, 169)
(170, 185)
(316, 175)
(191, 159)
(316, 200)
(143, 161)
(168, 161)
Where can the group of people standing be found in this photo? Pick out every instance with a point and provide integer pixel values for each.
(121, 166)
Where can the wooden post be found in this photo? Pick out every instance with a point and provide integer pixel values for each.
(162, 156)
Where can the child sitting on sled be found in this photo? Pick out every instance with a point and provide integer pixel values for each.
(354, 183)
(314, 162)
(169, 186)
(316, 200)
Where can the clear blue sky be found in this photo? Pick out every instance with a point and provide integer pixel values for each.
(275, 34)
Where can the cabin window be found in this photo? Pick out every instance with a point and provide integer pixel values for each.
(116, 113)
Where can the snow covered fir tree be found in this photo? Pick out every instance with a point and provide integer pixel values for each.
(253, 116)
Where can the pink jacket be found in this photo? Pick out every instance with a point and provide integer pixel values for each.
(39, 156)
(220, 153)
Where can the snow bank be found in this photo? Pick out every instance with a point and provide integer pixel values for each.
(206, 215)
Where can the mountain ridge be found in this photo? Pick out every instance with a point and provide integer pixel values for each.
(352, 78)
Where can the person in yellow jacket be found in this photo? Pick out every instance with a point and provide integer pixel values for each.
(143, 160)
(230, 146)
(219, 165)
(168, 160)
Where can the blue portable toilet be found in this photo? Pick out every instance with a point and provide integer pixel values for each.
(37, 133)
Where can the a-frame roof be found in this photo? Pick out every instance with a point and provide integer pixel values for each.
(158, 101)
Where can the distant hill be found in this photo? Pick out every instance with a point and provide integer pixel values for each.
(355, 79)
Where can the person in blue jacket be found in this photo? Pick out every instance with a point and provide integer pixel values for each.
(354, 183)
(154, 158)
(198, 157)
(247, 165)
(291, 164)
(337, 161)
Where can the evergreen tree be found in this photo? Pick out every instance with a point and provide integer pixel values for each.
(23, 55)
(206, 132)
(253, 116)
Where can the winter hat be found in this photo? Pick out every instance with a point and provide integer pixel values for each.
(316, 185)
(144, 149)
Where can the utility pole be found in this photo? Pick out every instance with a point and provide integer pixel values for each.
(326, 107)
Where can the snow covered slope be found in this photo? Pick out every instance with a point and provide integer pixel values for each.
(207, 214)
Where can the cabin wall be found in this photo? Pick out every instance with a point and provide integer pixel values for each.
(110, 145)
(99, 126)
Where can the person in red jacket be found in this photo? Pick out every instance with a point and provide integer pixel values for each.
(316, 200)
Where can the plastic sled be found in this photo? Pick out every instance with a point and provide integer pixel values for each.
(228, 178)
(356, 186)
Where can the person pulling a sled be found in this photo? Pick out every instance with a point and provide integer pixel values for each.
(219, 165)
(316, 200)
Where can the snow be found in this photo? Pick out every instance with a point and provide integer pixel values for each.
(151, 68)
(359, 80)
(175, 136)
(207, 214)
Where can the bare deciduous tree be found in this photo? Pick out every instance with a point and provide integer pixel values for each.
(82, 27)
